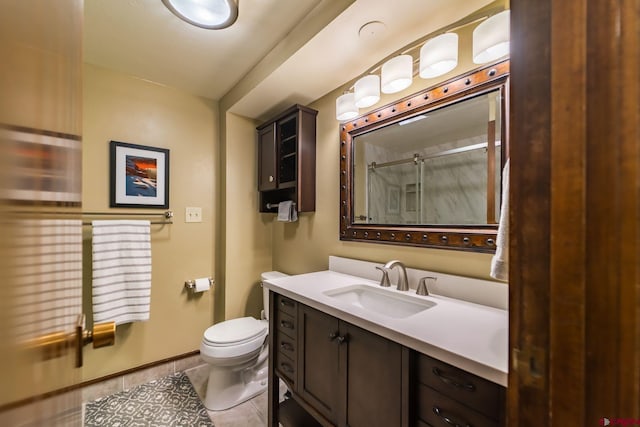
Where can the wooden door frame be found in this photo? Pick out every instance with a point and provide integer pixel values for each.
(575, 212)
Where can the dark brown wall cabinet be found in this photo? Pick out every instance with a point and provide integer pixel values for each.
(287, 160)
(341, 375)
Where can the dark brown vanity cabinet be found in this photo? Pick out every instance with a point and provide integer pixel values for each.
(287, 159)
(447, 395)
(342, 375)
(350, 376)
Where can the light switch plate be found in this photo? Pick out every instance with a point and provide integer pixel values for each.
(193, 214)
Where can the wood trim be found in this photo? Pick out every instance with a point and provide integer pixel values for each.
(83, 384)
(575, 211)
(465, 238)
(491, 171)
(529, 199)
(567, 309)
(613, 200)
(628, 355)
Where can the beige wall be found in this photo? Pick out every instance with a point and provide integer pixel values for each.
(305, 245)
(123, 108)
(248, 233)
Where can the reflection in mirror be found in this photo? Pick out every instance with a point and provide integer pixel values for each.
(441, 166)
(426, 170)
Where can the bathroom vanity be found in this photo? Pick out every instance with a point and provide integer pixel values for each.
(353, 353)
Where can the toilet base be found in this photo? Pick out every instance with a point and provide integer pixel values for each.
(227, 388)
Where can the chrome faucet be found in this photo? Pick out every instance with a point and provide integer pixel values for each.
(403, 283)
(384, 281)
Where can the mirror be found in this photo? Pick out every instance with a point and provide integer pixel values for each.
(426, 171)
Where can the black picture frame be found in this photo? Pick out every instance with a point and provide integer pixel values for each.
(138, 176)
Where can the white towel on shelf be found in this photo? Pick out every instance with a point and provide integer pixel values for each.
(121, 271)
(287, 211)
(500, 261)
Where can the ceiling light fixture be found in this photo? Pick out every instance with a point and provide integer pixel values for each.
(208, 14)
(346, 108)
(397, 74)
(367, 91)
(439, 55)
(491, 38)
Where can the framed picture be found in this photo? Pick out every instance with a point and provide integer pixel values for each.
(40, 166)
(139, 176)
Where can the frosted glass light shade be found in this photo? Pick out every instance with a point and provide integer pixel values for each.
(346, 107)
(397, 74)
(209, 14)
(367, 91)
(439, 55)
(491, 38)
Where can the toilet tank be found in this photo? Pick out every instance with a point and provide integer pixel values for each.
(265, 292)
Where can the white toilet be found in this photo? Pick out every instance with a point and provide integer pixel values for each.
(237, 352)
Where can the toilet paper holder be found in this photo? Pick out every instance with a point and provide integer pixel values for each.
(191, 284)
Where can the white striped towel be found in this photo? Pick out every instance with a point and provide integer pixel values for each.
(121, 271)
(46, 276)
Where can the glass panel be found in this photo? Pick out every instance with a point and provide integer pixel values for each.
(431, 168)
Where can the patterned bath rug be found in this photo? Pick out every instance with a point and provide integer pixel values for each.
(168, 402)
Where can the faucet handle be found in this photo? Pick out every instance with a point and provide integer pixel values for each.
(423, 289)
(384, 280)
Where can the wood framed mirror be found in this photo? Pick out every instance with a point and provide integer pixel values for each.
(427, 170)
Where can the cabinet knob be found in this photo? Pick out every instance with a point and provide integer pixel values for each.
(270, 178)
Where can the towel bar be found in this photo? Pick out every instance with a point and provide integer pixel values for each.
(275, 205)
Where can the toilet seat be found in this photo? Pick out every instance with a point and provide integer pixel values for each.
(235, 331)
(235, 338)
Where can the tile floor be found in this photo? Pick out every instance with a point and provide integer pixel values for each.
(252, 413)
(63, 410)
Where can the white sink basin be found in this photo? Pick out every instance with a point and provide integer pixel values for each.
(381, 301)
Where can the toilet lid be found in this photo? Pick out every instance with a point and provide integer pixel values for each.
(235, 330)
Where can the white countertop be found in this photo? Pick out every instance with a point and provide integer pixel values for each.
(470, 336)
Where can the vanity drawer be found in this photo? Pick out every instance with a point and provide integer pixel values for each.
(287, 346)
(438, 410)
(475, 392)
(286, 324)
(285, 367)
(286, 305)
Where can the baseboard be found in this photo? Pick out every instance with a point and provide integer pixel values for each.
(85, 384)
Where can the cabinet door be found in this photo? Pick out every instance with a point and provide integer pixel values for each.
(267, 158)
(373, 370)
(318, 361)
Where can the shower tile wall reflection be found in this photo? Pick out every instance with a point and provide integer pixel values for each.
(449, 189)
(433, 171)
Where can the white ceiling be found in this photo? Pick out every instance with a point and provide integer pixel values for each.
(278, 52)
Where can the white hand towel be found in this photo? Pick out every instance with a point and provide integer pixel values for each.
(121, 271)
(287, 211)
(500, 261)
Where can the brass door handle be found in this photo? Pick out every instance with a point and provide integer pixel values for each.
(102, 335)
(58, 344)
